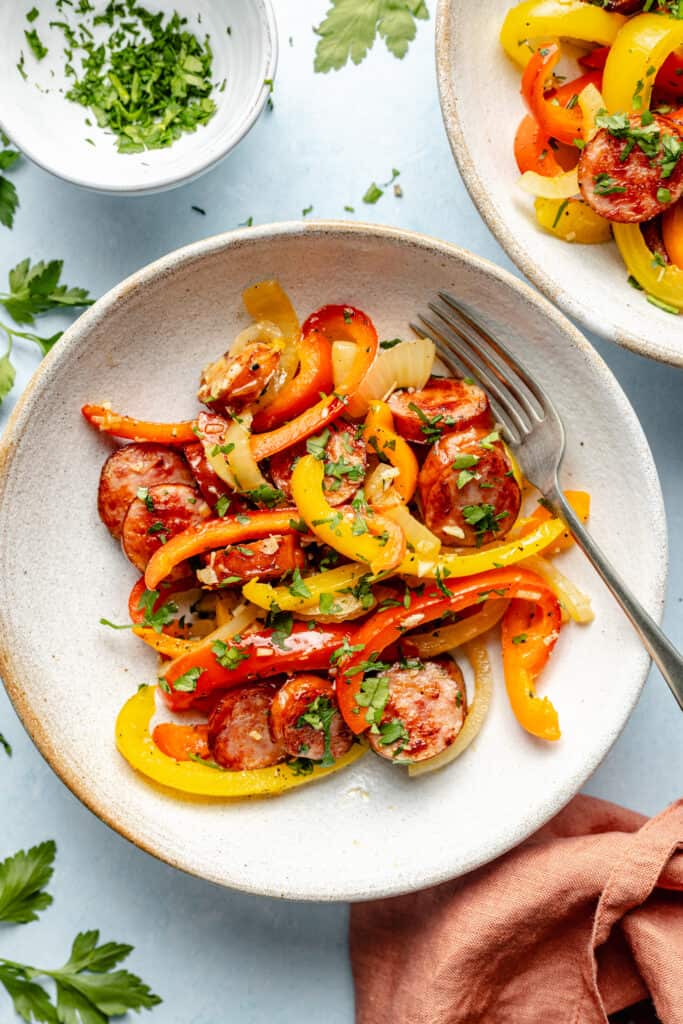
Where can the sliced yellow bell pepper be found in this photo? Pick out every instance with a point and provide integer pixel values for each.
(380, 436)
(361, 536)
(332, 582)
(572, 220)
(564, 19)
(135, 743)
(267, 300)
(453, 566)
(664, 283)
(638, 52)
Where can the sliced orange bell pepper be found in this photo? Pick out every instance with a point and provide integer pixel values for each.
(313, 378)
(182, 742)
(162, 643)
(533, 151)
(380, 436)
(110, 422)
(384, 628)
(526, 637)
(672, 233)
(555, 120)
(307, 423)
(346, 323)
(216, 533)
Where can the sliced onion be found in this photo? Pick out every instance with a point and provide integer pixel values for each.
(346, 606)
(591, 103)
(447, 638)
(561, 186)
(343, 355)
(407, 365)
(478, 658)
(237, 467)
(577, 604)
(379, 486)
(244, 616)
(423, 542)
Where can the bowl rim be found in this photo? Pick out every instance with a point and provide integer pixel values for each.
(225, 144)
(77, 334)
(476, 187)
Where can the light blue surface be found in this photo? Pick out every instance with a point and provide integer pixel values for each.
(212, 954)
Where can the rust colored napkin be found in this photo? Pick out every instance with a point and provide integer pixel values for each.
(581, 920)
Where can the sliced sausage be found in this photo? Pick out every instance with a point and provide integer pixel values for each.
(239, 729)
(468, 493)
(444, 404)
(167, 510)
(269, 558)
(621, 182)
(345, 458)
(210, 484)
(127, 470)
(312, 696)
(236, 381)
(426, 709)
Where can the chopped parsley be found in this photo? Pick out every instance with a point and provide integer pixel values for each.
(298, 588)
(605, 185)
(187, 682)
(431, 426)
(228, 655)
(266, 495)
(143, 494)
(483, 518)
(316, 446)
(319, 715)
(344, 651)
(281, 623)
(223, 505)
(350, 28)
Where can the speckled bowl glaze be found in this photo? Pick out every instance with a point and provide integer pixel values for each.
(52, 131)
(370, 830)
(481, 106)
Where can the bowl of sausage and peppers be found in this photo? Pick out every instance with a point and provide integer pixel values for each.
(319, 546)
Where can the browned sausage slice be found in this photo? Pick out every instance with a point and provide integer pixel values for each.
(130, 468)
(467, 491)
(443, 405)
(304, 712)
(623, 183)
(345, 458)
(236, 381)
(167, 509)
(425, 711)
(266, 559)
(208, 481)
(239, 729)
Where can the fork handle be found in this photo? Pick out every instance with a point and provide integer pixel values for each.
(667, 659)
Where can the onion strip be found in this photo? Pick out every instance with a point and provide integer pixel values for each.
(478, 658)
(577, 604)
(407, 365)
(446, 638)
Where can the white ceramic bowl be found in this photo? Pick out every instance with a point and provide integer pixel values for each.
(369, 830)
(481, 105)
(52, 132)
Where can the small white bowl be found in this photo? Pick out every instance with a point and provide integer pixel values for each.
(481, 105)
(52, 131)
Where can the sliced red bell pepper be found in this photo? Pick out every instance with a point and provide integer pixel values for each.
(137, 611)
(533, 151)
(256, 656)
(114, 423)
(346, 323)
(216, 533)
(668, 85)
(313, 378)
(377, 633)
(597, 58)
(557, 121)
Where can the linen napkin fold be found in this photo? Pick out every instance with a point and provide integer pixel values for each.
(582, 919)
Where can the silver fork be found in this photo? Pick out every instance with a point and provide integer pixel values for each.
(534, 429)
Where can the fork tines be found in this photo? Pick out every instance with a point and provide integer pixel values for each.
(467, 349)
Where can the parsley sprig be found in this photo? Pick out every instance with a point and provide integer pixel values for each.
(9, 200)
(88, 988)
(350, 28)
(34, 290)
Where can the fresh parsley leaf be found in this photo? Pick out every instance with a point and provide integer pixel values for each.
(350, 28)
(222, 505)
(34, 41)
(521, 638)
(281, 623)
(32, 14)
(344, 651)
(298, 588)
(392, 731)
(89, 990)
(315, 446)
(9, 201)
(23, 878)
(390, 343)
(318, 716)
(373, 695)
(6, 745)
(266, 495)
(228, 656)
(187, 682)
(156, 618)
(373, 193)
(7, 375)
(36, 289)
